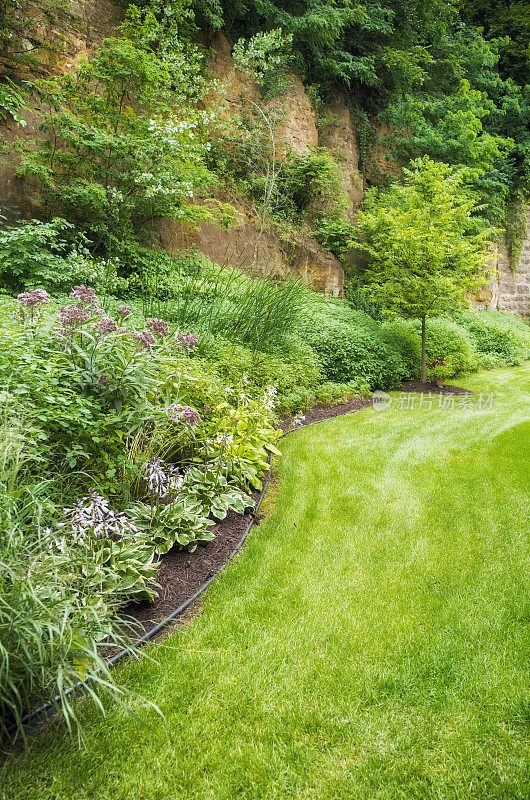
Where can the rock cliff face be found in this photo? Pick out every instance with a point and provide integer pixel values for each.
(338, 135)
(270, 253)
(88, 23)
(245, 245)
(509, 289)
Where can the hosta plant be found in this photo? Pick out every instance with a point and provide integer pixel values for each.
(181, 522)
(215, 493)
(115, 560)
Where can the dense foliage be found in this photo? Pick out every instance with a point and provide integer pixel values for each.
(449, 80)
(146, 386)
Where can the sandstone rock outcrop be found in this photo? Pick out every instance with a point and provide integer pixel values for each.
(509, 289)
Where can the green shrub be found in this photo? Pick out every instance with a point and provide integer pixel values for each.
(490, 361)
(401, 335)
(450, 341)
(297, 399)
(234, 363)
(350, 346)
(311, 181)
(330, 393)
(347, 354)
(498, 333)
(43, 254)
(334, 234)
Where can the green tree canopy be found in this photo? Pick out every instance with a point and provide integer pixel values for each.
(426, 248)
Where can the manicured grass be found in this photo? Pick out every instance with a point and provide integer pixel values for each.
(371, 642)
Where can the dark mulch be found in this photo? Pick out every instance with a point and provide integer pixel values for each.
(181, 574)
(321, 412)
(418, 386)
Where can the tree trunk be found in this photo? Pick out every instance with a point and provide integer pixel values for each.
(423, 360)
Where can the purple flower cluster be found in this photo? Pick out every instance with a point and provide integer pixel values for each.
(186, 341)
(187, 414)
(77, 314)
(159, 476)
(72, 316)
(35, 297)
(93, 515)
(105, 325)
(85, 295)
(29, 304)
(145, 339)
(104, 379)
(159, 327)
(124, 311)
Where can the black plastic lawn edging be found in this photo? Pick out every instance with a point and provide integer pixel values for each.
(38, 716)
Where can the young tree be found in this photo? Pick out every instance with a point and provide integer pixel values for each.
(426, 246)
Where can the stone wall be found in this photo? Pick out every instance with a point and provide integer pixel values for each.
(508, 289)
(514, 285)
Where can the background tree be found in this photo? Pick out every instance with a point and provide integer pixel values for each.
(426, 247)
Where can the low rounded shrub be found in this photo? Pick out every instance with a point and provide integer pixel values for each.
(490, 361)
(296, 368)
(350, 346)
(450, 341)
(347, 354)
(498, 333)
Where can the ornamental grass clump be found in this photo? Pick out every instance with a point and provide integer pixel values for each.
(58, 598)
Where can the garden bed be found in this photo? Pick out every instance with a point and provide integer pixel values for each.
(320, 413)
(182, 574)
(425, 388)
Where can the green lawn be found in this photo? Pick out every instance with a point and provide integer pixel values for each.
(371, 642)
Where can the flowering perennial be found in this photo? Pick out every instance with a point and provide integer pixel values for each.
(93, 515)
(34, 297)
(105, 325)
(161, 477)
(145, 339)
(186, 341)
(124, 311)
(72, 316)
(159, 327)
(30, 302)
(188, 414)
(85, 295)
